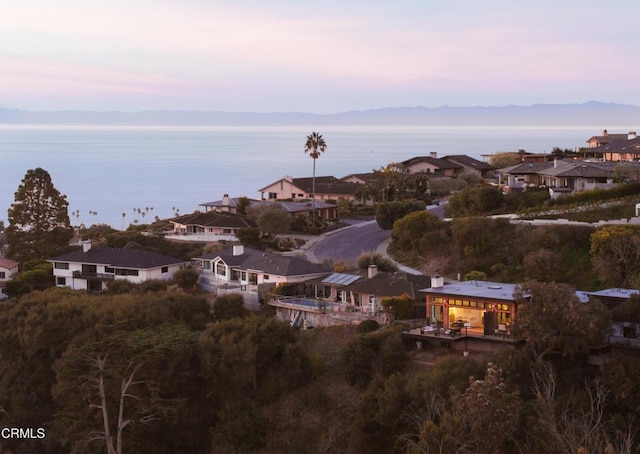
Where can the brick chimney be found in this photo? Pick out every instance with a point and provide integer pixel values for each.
(433, 154)
(605, 133)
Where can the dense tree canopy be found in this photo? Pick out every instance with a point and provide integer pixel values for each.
(39, 225)
(615, 251)
(389, 212)
(270, 218)
(551, 319)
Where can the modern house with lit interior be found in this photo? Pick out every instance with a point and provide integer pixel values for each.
(479, 307)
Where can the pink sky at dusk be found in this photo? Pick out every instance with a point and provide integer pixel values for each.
(287, 56)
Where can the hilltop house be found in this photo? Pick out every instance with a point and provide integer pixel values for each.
(229, 205)
(245, 270)
(431, 164)
(370, 292)
(627, 149)
(360, 178)
(577, 175)
(326, 188)
(563, 176)
(342, 298)
(471, 166)
(521, 175)
(479, 306)
(607, 139)
(91, 269)
(8, 269)
(210, 226)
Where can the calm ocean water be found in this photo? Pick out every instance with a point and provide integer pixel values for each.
(114, 170)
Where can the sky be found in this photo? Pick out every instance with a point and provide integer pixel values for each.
(322, 57)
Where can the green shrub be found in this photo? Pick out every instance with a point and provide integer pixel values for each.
(368, 326)
(389, 212)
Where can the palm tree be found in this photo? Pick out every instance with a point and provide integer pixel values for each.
(314, 146)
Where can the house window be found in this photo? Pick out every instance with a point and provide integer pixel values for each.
(273, 195)
(266, 277)
(61, 266)
(109, 270)
(243, 276)
(165, 269)
(221, 269)
(125, 272)
(227, 231)
(61, 281)
(3, 275)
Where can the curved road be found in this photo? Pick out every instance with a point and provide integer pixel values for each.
(347, 244)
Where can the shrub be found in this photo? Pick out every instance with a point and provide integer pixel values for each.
(228, 306)
(186, 278)
(368, 326)
(367, 259)
(389, 212)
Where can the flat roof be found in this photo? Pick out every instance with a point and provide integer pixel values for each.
(622, 293)
(476, 289)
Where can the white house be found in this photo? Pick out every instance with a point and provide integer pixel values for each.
(244, 269)
(8, 269)
(326, 188)
(210, 226)
(91, 269)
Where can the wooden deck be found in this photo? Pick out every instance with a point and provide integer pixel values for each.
(451, 337)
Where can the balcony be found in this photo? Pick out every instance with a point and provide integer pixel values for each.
(342, 312)
(93, 276)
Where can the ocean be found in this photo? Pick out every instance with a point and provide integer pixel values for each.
(114, 170)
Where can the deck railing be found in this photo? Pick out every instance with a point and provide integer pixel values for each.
(92, 275)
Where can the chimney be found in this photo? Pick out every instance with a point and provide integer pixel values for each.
(86, 246)
(238, 249)
(555, 162)
(372, 271)
(433, 154)
(437, 281)
(225, 203)
(632, 135)
(605, 133)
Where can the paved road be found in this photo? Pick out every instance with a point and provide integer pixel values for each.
(348, 244)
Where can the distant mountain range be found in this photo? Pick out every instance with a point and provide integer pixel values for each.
(590, 114)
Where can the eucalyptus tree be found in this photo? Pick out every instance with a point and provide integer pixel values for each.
(315, 145)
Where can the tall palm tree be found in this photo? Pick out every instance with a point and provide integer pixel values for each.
(314, 146)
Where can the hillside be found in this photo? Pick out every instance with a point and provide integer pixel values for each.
(589, 114)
